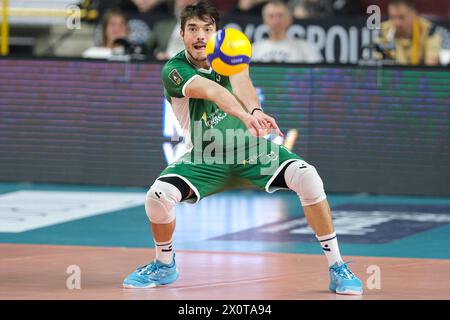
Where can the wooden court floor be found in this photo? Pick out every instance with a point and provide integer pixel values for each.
(39, 272)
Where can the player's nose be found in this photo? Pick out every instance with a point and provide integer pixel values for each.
(201, 35)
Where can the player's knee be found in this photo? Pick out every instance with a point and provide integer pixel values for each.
(160, 202)
(303, 178)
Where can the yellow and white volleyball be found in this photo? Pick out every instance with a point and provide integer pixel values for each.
(228, 51)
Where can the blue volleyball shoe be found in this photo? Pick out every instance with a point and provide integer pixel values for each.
(343, 281)
(152, 275)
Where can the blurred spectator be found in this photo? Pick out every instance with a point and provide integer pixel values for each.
(165, 40)
(427, 8)
(302, 9)
(253, 7)
(279, 48)
(144, 6)
(407, 38)
(114, 29)
(224, 7)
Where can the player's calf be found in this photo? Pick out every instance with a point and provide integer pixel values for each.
(303, 178)
(160, 203)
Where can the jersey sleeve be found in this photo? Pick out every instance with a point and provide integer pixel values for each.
(176, 76)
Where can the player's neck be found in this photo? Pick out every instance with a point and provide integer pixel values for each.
(197, 64)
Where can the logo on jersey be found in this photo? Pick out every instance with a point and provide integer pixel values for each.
(214, 118)
(175, 77)
(218, 78)
(264, 158)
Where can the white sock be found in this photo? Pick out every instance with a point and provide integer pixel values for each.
(330, 248)
(164, 251)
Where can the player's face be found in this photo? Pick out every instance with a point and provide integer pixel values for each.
(402, 18)
(195, 35)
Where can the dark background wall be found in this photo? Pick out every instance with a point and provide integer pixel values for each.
(382, 131)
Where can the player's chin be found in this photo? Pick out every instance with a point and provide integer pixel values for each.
(198, 54)
(201, 57)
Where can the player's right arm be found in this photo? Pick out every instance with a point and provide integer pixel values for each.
(202, 88)
(180, 80)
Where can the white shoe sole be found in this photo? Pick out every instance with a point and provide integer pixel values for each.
(129, 286)
(350, 292)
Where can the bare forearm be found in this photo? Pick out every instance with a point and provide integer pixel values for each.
(244, 90)
(247, 96)
(228, 103)
(201, 88)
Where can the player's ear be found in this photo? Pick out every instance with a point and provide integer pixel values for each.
(181, 33)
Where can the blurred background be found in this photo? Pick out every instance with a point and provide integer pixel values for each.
(360, 88)
(334, 31)
(366, 99)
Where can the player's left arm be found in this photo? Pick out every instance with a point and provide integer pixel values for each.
(244, 90)
(246, 94)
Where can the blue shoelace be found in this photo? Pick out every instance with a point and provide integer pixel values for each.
(149, 268)
(343, 271)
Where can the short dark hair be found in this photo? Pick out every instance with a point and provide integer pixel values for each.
(203, 10)
(409, 3)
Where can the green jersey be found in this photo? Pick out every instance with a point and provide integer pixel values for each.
(196, 116)
(255, 161)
